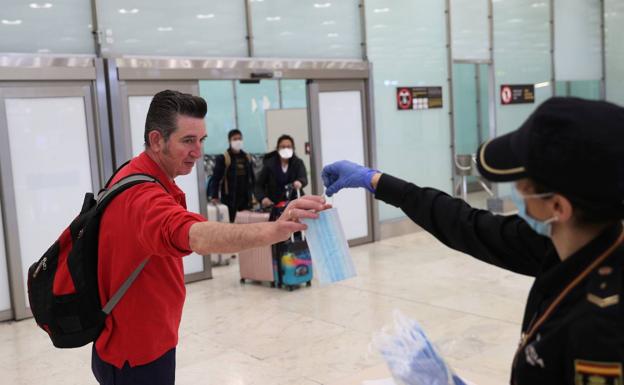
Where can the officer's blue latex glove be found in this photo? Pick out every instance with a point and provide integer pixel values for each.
(346, 174)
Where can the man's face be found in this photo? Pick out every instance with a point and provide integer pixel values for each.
(236, 137)
(184, 147)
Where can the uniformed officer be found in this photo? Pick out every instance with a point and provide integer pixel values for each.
(567, 162)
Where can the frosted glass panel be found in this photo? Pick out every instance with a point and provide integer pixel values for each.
(413, 145)
(170, 28)
(139, 105)
(56, 27)
(586, 89)
(293, 93)
(577, 40)
(252, 101)
(341, 122)
(5, 295)
(522, 56)
(221, 116)
(48, 189)
(307, 29)
(470, 29)
(614, 21)
(466, 109)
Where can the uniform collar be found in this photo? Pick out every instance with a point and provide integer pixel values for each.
(147, 165)
(555, 278)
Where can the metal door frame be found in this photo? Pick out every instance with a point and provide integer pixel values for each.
(315, 87)
(35, 90)
(123, 147)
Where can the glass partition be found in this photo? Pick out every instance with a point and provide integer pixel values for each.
(412, 144)
(614, 30)
(169, 28)
(307, 29)
(58, 27)
(470, 29)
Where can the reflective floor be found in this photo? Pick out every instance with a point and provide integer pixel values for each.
(242, 335)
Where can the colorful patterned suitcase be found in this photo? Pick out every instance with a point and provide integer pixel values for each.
(255, 264)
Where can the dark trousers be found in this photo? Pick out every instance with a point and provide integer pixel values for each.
(158, 372)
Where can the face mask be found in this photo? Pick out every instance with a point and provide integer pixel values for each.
(541, 227)
(329, 248)
(286, 153)
(236, 145)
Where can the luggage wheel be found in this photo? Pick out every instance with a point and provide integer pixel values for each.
(242, 281)
(309, 283)
(290, 288)
(272, 284)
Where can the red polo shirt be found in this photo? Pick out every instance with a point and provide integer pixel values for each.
(144, 221)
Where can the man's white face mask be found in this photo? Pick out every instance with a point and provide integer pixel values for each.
(236, 145)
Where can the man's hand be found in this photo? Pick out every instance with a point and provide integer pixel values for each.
(215, 201)
(304, 207)
(346, 174)
(266, 202)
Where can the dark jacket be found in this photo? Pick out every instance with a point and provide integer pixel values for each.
(268, 183)
(582, 340)
(225, 187)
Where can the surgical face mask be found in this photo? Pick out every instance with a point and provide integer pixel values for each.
(286, 153)
(541, 227)
(236, 145)
(329, 248)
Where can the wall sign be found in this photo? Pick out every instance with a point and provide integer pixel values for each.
(517, 94)
(419, 98)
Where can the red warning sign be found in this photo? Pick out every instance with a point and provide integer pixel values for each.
(404, 98)
(517, 94)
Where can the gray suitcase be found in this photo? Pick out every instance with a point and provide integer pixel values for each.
(218, 213)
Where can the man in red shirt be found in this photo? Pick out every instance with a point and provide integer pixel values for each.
(150, 220)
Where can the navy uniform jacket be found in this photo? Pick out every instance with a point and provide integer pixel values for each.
(581, 341)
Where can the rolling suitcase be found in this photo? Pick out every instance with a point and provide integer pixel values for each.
(218, 213)
(255, 264)
(293, 263)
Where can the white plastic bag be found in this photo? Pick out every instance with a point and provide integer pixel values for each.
(411, 357)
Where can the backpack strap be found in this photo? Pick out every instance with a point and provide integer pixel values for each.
(227, 159)
(123, 288)
(105, 196)
(103, 200)
(115, 173)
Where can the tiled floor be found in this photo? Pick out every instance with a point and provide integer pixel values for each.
(252, 334)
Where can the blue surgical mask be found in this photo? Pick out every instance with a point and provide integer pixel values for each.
(541, 227)
(329, 248)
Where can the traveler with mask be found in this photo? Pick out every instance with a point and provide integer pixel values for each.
(233, 177)
(567, 165)
(280, 169)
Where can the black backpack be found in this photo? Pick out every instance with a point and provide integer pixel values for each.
(63, 284)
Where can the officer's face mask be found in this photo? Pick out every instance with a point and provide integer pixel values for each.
(286, 152)
(236, 145)
(541, 227)
(329, 248)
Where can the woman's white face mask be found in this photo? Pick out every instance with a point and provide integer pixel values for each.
(286, 153)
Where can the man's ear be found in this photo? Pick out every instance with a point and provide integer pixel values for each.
(156, 141)
(562, 208)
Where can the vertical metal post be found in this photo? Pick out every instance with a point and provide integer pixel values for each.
(105, 144)
(249, 23)
(478, 90)
(372, 148)
(95, 29)
(279, 95)
(553, 77)
(603, 51)
(364, 40)
(492, 92)
(568, 85)
(235, 104)
(449, 60)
